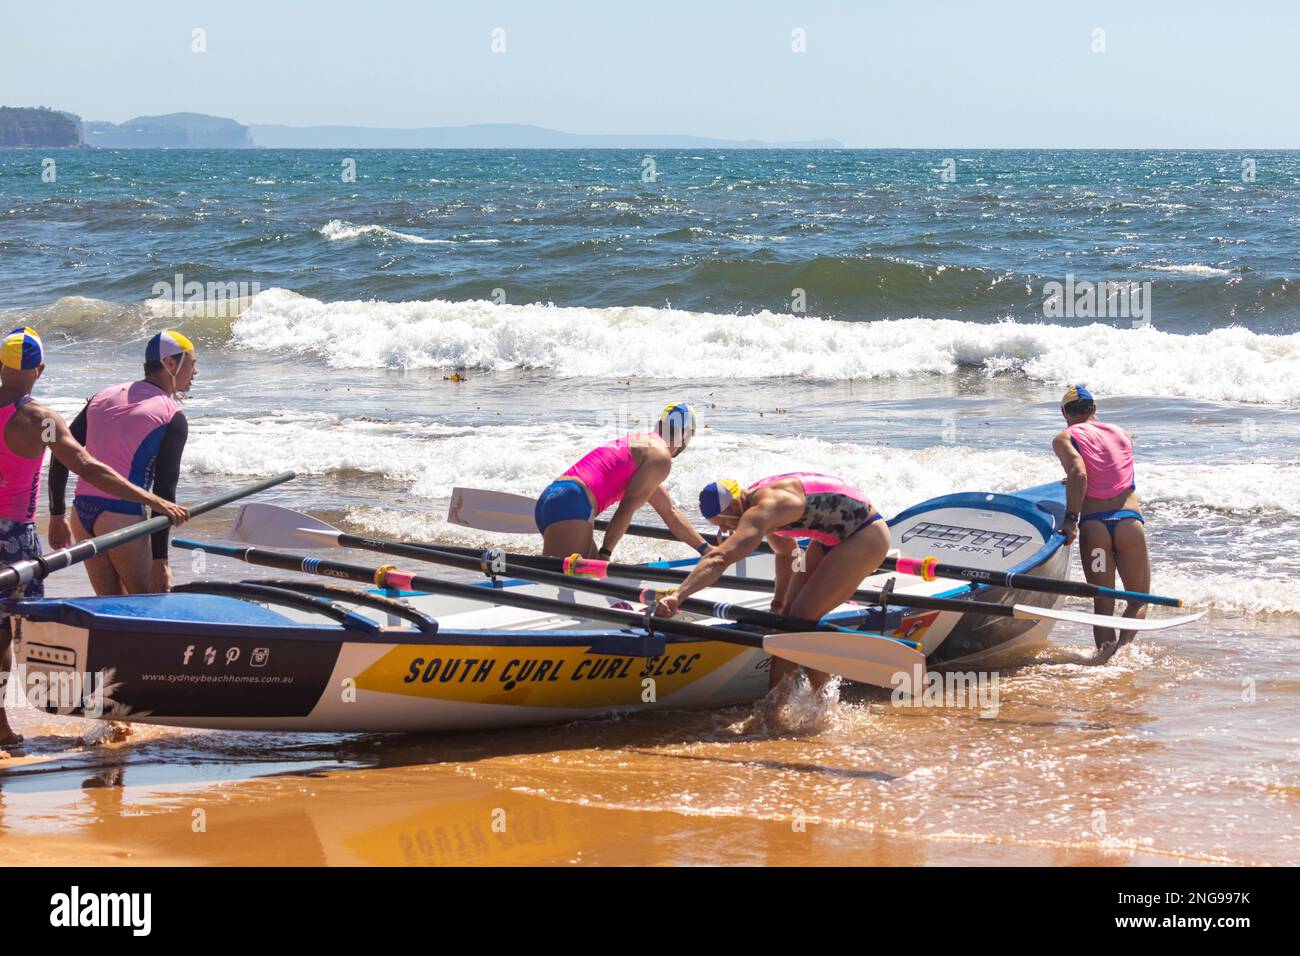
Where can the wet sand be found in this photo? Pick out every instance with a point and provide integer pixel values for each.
(432, 815)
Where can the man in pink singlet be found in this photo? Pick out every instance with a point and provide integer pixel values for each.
(629, 472)
(138, 428)
(28, 429)
(1102, 508)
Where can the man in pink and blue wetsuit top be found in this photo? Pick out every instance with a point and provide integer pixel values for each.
(849, 540)
(1102, 508)
(27, 428)
(137, 427)
(629, 472)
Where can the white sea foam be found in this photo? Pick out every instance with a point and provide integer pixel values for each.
(1236, 488)
(1257, 594)
(674, 344)
(1195, 269)
(336, 230)
(430, 458)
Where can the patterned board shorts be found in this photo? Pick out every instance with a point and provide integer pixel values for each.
(18, 541)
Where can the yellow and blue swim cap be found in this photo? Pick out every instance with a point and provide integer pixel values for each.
(1076, 393)
(165, 345)
(22, 350)
(717, 497)
(676, 424)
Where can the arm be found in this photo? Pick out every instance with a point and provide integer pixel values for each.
(785, 550)
(677, 522)
(770, 512)
(60, 532)
(1076, 482)
(167, 472)
(73, 455)
(650, 475)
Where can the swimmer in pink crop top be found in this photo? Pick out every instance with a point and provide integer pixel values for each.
(628, 472)
(137, 427)
(849, 541)
(1102, 508)
(27, 428)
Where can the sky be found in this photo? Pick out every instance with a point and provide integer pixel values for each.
(873, 73)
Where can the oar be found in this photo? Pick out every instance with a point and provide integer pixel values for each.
(21, 572)
(513, 514)
(275, 527)
(865, 658)
(269, 524)
(931, 568)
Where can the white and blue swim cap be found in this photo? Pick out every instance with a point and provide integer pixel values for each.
(717, 496)
(676, 424)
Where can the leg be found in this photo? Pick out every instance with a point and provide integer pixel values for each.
(7, 734)
(838, 575)
(103, 577)
(1095, 549)
(781, 669)
(18, 542)
(132, 562)
(1134, 565)
(564, 538)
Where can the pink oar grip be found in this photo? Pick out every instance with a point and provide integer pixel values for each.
(576, 564)
(921, 567)
(398, 580)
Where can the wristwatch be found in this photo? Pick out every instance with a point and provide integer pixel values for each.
(1072, 516)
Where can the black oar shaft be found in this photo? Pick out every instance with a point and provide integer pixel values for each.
(1002, 579)
(23, 571)
(509, 565)
(644, 572)
(380, 577)
(1034, 582)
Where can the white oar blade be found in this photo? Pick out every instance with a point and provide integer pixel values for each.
(857, 657)
(270, 526)
(1107, 620)
(492, 511)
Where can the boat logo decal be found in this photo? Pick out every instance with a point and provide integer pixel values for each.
(1005, 541)
(542, 676)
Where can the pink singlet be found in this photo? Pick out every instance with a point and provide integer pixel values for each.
(607, 470)
(833, 509)
(20, 478)
(1108, 455)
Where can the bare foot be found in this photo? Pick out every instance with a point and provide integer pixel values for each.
(1105, 652)
(108, 732)
(8, 737)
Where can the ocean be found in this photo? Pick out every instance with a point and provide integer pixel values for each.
(393, 323)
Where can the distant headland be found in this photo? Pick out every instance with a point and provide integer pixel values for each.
(30, 127)
(38, 126)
